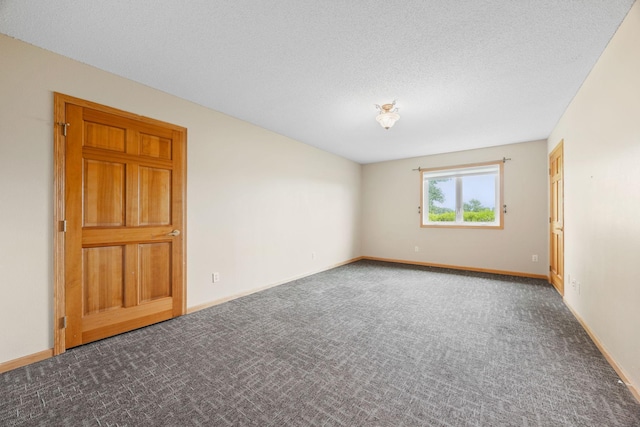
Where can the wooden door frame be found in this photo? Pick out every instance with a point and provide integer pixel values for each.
(59, 153)
(558, 148)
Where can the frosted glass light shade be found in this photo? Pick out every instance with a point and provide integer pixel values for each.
(387, 120)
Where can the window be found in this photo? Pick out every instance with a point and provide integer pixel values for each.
(463, 196)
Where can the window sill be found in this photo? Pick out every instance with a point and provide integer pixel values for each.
(459, 225)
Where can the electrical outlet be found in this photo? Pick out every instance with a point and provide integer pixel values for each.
(534, 258)
(215, 277)
(416, 249)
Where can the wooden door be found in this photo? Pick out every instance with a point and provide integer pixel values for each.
(556, 219)
(121, 187)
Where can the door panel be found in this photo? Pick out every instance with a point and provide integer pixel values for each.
(556, 218)
(103, 193)
(155, 272)
(103, 279)
(155, 147)
(104, 137)
(123, 196)
(154, 198)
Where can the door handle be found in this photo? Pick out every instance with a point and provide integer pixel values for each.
(174, 233)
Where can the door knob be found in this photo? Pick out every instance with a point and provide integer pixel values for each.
(174, 233)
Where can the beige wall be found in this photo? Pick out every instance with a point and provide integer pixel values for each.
(391, 196)
(601, 132)
(258, 203)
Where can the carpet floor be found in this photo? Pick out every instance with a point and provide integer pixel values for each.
(366, 344)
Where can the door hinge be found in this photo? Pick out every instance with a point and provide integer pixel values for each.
(64, 127)
(64, 322)
(550, 268)
(63, 226)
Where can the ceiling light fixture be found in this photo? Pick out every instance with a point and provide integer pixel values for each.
(388, 115)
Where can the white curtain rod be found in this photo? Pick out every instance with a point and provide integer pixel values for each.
(503, 160)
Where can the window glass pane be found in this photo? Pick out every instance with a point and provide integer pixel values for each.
(463, 196)
(442, 199)
(479, 198)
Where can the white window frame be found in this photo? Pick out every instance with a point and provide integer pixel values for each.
(459, 172)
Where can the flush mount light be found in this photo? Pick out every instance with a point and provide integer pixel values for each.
(388, 115)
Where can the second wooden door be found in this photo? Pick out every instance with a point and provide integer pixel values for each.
(556, 218)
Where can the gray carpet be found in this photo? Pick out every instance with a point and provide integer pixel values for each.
(367, 344)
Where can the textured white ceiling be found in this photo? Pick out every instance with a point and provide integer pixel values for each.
(466, 73)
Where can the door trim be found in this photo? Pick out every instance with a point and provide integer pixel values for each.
(59, 153)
